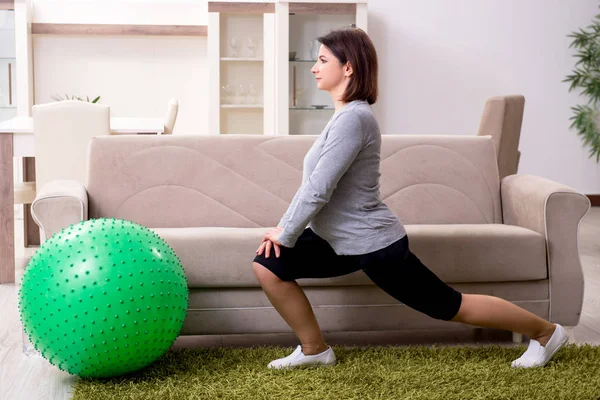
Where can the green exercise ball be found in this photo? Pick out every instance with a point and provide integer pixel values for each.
(103, 298)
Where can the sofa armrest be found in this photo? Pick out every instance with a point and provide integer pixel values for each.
(554, 211)
(59, 204)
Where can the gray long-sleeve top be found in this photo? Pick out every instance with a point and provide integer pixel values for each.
(339, 198)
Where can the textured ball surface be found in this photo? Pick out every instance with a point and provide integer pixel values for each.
(103, 298)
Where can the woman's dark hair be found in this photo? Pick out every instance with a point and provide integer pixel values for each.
(354, 45)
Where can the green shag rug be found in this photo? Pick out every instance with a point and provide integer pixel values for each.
(412, 372)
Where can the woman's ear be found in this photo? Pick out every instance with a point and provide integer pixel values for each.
(348, 69)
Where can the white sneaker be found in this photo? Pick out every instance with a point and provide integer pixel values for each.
(538, 355)
(298, 358)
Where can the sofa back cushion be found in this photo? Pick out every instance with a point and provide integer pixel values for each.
(249, 180)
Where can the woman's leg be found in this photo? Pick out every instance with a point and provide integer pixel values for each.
(412, 283)
(494, 312)
(291, 303)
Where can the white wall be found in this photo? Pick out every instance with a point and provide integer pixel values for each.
(135, 75)
(440, 60)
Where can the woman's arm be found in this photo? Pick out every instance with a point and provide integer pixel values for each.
(343, 142)
(285, 217)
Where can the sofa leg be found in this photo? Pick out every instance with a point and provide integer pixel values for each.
(517, 337)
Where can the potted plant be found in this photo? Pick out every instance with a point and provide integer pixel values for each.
(586, 76)
(59, 98)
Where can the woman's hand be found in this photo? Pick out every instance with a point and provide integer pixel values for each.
(271, 239)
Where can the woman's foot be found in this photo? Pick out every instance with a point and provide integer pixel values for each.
(544, 338)
(298, 358)
(313, 349)
(538, 355)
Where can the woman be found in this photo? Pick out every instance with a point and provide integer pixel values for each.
(350, 228)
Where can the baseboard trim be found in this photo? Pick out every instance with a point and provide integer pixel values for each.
(594, 199)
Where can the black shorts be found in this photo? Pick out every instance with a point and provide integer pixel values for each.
(395, 269)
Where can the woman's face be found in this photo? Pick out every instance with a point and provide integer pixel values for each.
(328, 70)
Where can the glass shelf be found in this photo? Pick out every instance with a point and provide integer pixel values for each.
(312, 108)
(302, 61)
(8, 107)
(241, 59)
(242, 106)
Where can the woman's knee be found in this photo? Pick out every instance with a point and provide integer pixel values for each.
(442, 312)
(451, 308)
(461, 309)
(264, 275)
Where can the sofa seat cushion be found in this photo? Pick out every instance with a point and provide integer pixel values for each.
(222, 257)
(480, 253)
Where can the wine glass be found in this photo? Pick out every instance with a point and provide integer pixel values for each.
(234, 44)
(252, 92)
(242, 92)
(251, 46)
(225, 94)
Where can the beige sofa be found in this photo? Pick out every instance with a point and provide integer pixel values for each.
(213, 197)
